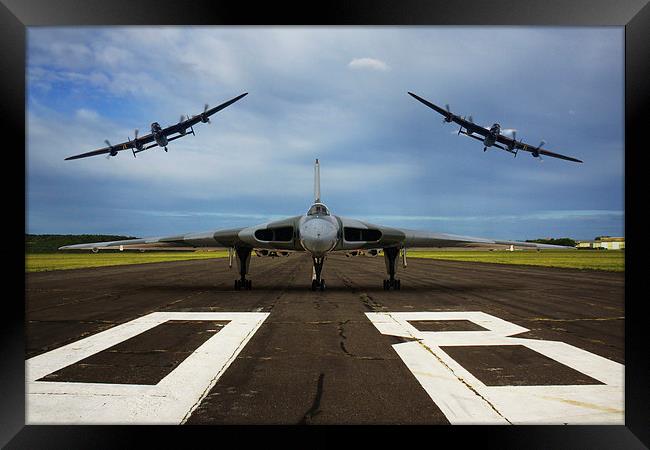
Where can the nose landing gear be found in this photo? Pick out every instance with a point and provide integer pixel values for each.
(317, 282)
(245, 284)
(318, 285)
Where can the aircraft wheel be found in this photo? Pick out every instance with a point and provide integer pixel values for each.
(313, 285)
(237, 285)
(385, 285)
(398, 284)
(322, 285)
(249, 284)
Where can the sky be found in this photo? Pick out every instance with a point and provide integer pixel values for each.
(334, 93)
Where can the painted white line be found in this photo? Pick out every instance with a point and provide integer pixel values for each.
(168, 402)
(464, 399)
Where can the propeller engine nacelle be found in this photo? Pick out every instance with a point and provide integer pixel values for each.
(182, 130)
(448, 116)
(112, 150)
(204, 117)
(535, 152)
(513, 144)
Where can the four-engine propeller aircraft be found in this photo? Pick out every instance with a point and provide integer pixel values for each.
(160, 136)
(491, 137)
(318, 233)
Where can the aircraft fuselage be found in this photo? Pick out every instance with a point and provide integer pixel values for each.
(318, 234)
(491, 138)
(160, 138)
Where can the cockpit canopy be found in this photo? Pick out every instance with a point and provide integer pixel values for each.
(155, 126)
(318, 209)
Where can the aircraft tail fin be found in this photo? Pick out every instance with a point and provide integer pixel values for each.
(316, 182)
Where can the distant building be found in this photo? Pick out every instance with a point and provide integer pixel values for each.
(603, 242)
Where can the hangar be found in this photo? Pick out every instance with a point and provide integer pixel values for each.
(603, 242)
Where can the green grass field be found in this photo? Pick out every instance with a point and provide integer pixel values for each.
(41, 262)
(610, 260)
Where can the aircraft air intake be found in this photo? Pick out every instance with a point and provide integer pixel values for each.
(279, 234)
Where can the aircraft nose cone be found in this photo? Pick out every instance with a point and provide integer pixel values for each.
(318, 236)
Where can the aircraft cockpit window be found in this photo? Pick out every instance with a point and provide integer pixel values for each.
(318, 210)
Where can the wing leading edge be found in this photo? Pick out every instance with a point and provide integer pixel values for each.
(212, 239)
(422, 239)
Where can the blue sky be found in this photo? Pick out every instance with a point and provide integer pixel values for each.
(338, 94)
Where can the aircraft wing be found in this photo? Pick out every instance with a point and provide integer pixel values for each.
(117, 148)
(359, 235)
(213, 239)
(196, 119)
(532, 149)
(469, 126)
(415, 239)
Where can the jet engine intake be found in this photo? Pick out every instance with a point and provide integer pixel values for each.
(352, 234)
(279, 234)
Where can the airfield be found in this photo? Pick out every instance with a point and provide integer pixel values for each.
(460, 343)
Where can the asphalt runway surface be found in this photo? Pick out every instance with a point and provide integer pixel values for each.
(303, 357)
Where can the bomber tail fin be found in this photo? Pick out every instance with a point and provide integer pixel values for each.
(316, 182)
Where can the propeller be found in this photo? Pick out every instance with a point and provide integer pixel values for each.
(448, 116)
(536, 152)
(111, 153)
(135, 141)
(204, 118)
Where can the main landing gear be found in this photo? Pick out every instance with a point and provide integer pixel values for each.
(243, 261)
(317, 282)
(390, 258)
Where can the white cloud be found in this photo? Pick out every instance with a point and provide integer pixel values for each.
(368, 63)
(87, 115)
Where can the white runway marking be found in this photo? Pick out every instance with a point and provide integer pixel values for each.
(464, 399)
(169, 402)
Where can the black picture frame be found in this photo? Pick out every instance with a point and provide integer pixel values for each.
(634, 15)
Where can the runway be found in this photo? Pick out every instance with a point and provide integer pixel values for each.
(459, 343)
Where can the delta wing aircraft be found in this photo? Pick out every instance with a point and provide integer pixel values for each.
(318, 233)
(491, 137)
(161, 137)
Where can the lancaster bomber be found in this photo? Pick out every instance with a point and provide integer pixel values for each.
(491, 137)
(318, 232)
(160, 137)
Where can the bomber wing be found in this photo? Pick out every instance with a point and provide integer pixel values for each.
(414, 239)
(471, 127)
(116, 148)
(213, 239)
(519, 145)
(201, 117)
(364, 235)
